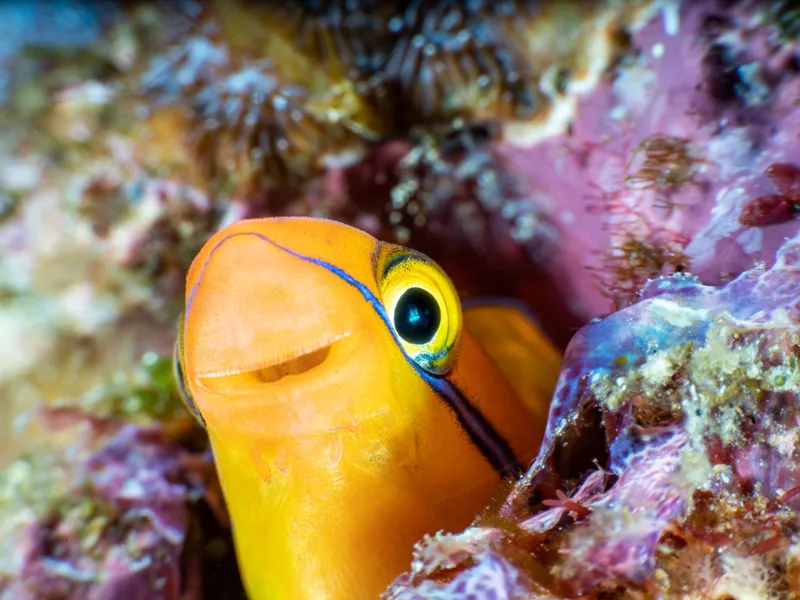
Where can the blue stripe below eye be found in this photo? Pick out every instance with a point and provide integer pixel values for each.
(481, 433)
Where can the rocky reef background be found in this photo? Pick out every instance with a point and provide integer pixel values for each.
(629, 169)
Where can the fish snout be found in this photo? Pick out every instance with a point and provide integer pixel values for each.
(263, 321)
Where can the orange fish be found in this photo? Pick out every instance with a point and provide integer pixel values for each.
(351, 405)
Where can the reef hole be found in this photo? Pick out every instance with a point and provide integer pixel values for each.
(583, 446)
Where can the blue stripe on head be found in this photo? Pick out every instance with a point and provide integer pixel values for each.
(488, 441)
(365, 291)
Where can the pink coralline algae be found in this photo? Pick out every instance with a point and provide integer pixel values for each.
(669, 467)
(669, 150)
(107, 519)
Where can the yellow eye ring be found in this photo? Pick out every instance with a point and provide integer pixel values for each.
(422, 305)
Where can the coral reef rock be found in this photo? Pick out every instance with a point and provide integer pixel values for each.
(669, 467)
(108, 515)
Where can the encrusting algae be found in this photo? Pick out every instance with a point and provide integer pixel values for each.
(112, 510)
(122, 501)
(669, 464)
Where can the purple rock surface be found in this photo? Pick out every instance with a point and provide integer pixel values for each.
(669, 464)
(106, 520)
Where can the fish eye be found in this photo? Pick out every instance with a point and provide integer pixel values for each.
(417, 316)
(422, 307)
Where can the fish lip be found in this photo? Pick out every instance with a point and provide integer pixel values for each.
(295, 354)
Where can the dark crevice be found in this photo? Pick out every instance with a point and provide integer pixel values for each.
(583, 447)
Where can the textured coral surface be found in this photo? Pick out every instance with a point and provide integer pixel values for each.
(564, 153)
(669, 467)
(108, 517)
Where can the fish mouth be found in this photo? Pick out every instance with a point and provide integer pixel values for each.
(294, 366)
(296, 362)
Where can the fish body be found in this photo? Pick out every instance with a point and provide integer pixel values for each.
(349, 409)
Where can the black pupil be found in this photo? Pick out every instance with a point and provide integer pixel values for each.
(417, 316)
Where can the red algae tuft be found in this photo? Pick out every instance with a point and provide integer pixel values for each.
(772, 209)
